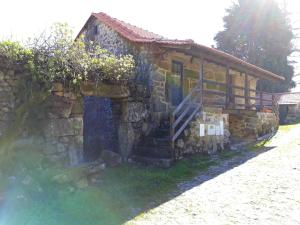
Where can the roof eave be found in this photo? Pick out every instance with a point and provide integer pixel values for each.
(259, 72)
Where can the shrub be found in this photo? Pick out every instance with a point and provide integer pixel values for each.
(56, 57)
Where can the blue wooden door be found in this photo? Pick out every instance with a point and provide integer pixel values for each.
(100, 128)
(176, 83)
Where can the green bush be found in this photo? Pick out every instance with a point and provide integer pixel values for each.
(56, 57)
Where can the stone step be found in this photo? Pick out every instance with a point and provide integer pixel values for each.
(156, 142)
(155, 152)
(160, 133)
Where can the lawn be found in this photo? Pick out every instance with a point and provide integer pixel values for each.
(33, 197)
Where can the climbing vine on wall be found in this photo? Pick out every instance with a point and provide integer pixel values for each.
(54, 56)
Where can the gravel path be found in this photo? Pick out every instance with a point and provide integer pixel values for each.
(249, 189)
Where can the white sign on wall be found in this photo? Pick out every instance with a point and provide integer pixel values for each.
(222, 127)
(218, 130)
(202, 130)
(211, 129)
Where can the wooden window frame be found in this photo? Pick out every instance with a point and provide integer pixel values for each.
(180, 64)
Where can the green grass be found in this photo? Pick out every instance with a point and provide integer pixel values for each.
(124, 191)
(228, 154)
(288, 127)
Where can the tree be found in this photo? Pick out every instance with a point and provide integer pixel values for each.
(258, 32)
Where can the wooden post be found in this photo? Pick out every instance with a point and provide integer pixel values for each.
(261, 100)
(228, 87)
(171, 136)
(273, 102)
(247, 103)
(201, 78)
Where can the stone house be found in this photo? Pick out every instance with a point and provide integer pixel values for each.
(289, 106)
(184, 98)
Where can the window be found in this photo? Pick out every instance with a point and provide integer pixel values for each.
(177, 68)
(96, 30)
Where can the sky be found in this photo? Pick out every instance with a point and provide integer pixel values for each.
(199, 20)
(189, 19)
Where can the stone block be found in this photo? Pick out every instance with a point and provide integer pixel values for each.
(136, 111)
(57, 87)
(60, 148)
(60, 128)
(111, 158)
(127, 138)
(58, 107)
(158, 76)
(105, 90)
(1, 75)
(79, 140)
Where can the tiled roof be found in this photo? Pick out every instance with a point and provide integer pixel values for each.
(289, 98)
(136, 34)
(139, 35)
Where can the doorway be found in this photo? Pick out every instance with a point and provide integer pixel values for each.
(100, 131)
(176, 83)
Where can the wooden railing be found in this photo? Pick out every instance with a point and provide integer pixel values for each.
(183, 115)
(194, 102)
(263, 100)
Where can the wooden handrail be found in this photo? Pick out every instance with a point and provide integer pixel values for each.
(194, 102)
(187, 98)
(176, 135)
(178, 120)
(189, 104)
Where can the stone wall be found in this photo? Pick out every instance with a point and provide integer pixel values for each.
(64, 121)
(208, 133)
(63, 126)
(10, 97)
(249, 124)
(145, 105)
(289, 113)
(60, 118)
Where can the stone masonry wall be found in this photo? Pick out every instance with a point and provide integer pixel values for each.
(293, 113)
(61, 120)
(9, 96)
(145, 106)
(249, 125)
(63, 126)
(208, 133)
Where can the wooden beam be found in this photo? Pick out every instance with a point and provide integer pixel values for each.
(217, 60)
(261, 100)
(201, 79)
(246, 91)
(228, 89)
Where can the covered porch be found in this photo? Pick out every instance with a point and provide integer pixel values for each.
(213, 79)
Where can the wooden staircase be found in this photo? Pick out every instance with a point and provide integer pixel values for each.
(183, 115)
(158, 148)
(155, 149)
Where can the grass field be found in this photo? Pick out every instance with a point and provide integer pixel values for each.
(32, 197)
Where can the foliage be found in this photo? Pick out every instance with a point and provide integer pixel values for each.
(55, 57)
(258, 32)
(14, 52)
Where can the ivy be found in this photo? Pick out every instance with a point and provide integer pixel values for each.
(54, 56)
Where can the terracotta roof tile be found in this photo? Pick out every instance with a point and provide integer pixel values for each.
(288, 98)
